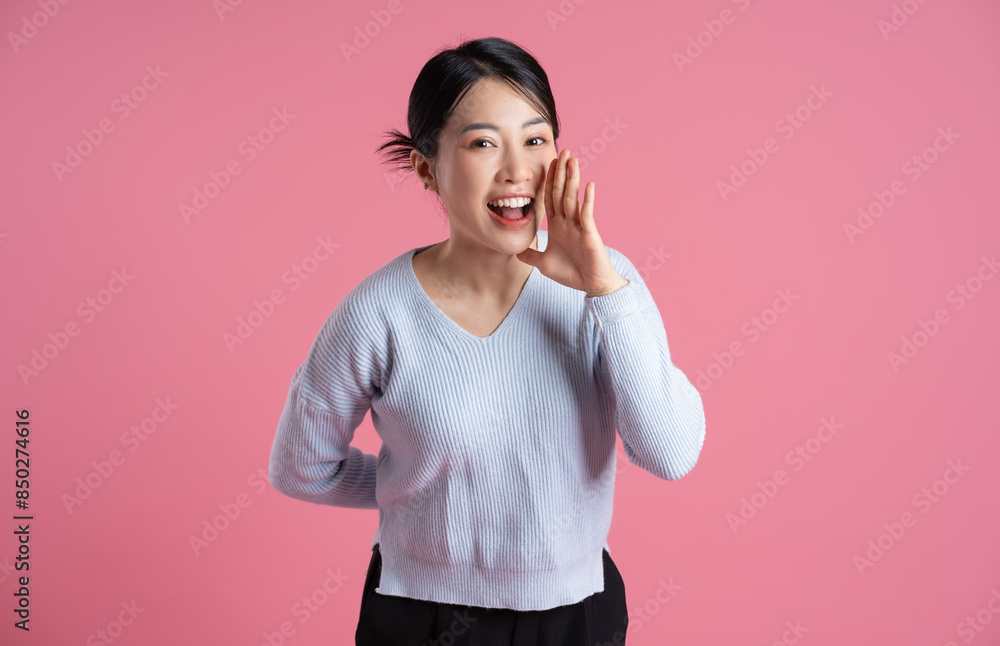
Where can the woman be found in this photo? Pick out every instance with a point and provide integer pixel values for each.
(497, 365)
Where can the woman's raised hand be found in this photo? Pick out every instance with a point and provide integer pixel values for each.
(574, 254)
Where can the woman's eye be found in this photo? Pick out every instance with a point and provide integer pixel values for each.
(475, 144)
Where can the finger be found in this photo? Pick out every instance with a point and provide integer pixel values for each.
(587, 212)
(559, 184)
(530, 257)
(548, 188)
(539, 203)
(571, 205)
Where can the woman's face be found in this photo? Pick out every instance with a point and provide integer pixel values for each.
(494, 144)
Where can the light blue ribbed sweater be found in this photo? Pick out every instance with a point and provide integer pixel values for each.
(495, 478)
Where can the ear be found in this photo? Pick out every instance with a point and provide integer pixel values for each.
(424, 168)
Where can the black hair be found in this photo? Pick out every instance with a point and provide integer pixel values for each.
(448, 76)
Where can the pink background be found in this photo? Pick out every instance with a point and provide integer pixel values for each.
(712, 262)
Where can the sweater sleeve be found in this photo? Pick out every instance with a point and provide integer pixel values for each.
(330, 393)
(658, 412)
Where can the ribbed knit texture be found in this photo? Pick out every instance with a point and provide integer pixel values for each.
(495, 478)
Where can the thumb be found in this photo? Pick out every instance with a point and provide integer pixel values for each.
(530, 257)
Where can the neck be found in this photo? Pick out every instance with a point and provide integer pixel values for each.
(478, 272)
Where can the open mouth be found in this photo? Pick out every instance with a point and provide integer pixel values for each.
(511, 212)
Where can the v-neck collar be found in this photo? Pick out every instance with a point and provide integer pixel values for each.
(450, 322)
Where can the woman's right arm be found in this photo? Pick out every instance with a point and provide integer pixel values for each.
(311, 457)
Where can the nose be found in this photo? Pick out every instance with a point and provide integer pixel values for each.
(515, 166)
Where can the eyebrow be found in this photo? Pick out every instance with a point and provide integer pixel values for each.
(493, 126)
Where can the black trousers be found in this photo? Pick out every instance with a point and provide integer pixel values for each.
(599, 620)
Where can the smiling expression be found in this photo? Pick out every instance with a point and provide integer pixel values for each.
(494, 144)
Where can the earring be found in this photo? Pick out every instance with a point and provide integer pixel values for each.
(425, 184)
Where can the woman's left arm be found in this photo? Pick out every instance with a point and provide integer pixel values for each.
(658, 412)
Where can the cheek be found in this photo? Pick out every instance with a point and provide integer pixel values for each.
(469, 175)
(475, 180)
(548, 158)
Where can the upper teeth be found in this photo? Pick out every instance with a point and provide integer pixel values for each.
(513, 202)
